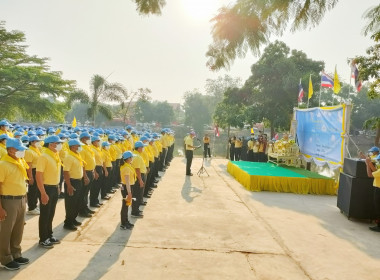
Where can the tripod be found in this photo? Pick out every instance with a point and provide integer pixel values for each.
(202, 169)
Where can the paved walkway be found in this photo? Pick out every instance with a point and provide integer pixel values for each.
(208, 228)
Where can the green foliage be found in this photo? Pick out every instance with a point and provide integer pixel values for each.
(146, 7)
(28, 89)
(363, 109)
(161, 112)
(248, 25)
(197, 112)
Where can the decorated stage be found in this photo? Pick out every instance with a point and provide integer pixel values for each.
(260, 176)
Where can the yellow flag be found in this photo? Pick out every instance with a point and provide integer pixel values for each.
(252, 131)
(336, 83)
(74, 123)
(310, 88)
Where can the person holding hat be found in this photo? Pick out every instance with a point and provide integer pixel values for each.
(89, 174)
(375, 174)
(13, 178)
(141, 170)
(128, 179)
(100, 168)
(106, 182)
(189, 152)
(31, 158)
(3, 141)
(73, 174)
(48, 173)
(374, 152)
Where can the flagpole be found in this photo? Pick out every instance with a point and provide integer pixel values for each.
(320, 92)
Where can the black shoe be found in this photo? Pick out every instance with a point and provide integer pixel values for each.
(85, 215)
(61, 195)
(154, 186)
(13, 265)
(21, 260)
(76, 223)
(191, 174)
(47, 244)
(155, 181)
(90, 211)
(70, 227)
(130, 224)
(144, 203)
(54, 240)
(111, 191)
(147, 196)
(137, 215)
(106, 197)
(375, 228)
(95, 205)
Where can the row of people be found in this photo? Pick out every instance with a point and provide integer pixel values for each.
(92, 163)
(252, 150)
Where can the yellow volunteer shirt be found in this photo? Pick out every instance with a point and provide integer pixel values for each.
(127, 145)
(32, 155)
(73, 166)
(50, 167)
(138, 162)
(107, 157)
(99, 159)
(12, 179)
(127, 169)
(376, 178)
(113, 152)
(206, 140)
(118, 151)
(88, 156)
(189, 142)
(155, 150)
(159, 146)
(3, 150)
(64, 151)
(149, 151)
(238, 143)
(250, 145)
(164, 141)
(10, 134)
(256, 147)
(145, 157)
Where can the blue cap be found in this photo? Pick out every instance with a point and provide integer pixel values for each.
(95, 138)
(77, 129)
(128, 154)
(129, 127)
(34, 138)
(74, 136)
(374, 149)
(53, 139)
(4, 136)
(133, 132)
(15, 143)
(139, 144)
(112, 137)
(4, 122)
(18, 133)
(95, 133)
(31, 133)
(144, 138)
(105, 144)
(84, 135)
(74, 142)
(24, 138)
(40, 132)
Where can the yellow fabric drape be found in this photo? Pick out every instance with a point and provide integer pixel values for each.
(35, 150)
(55, 156)
(78, 157)
(21, 164)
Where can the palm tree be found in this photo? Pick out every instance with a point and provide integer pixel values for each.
(101, 91)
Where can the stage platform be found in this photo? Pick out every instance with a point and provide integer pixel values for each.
(260, 176)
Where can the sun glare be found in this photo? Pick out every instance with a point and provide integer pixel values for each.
(201, 9)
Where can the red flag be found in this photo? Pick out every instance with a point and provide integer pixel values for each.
(300, 92)
(276, 136)
(216, 131)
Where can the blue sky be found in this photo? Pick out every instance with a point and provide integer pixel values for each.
(164, 53)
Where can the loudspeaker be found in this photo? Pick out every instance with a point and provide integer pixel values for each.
(355, 197)
(355, 167)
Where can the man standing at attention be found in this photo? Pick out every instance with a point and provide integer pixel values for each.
(13, 178)
(189, 152)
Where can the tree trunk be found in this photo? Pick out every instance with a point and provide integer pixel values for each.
(228, 139)
(377, 137)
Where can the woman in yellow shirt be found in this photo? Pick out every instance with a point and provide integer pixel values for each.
(3, 141)
(128, 179)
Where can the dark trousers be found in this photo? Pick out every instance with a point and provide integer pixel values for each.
(206, 150)
(189, 160)
(95, 190)
(117, 172)
(83, 200)
(61, 180)
(137, 193)
(162, 159)
(250, 155)
(72, 202)
(232, 153)
(47, 212)
(262, 157)
(376, 201)
(237, 154)
(256, 157)
(124, 207)
(149, 179)
(113, 175)
(33, 193)
(106, 183)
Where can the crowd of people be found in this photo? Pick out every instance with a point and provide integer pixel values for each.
(254, 149)
(83, 166)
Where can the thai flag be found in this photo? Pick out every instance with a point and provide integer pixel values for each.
(326, 80)
(300, 92)
(355, 75)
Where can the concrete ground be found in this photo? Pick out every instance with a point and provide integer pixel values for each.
(208, 228)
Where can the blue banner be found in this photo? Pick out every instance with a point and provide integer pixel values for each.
(320, 131)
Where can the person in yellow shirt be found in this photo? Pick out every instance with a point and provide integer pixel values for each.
(73, 169)
(4, 128)
(374, 152)
(128, 179)
(164, 143)
(148, 153)
(375, 174)
(141, 170)
(89, 174)
(113, 153)
(13, 178)
(206, 146)
(107, 172)
(189, 152)
(119, 154)
(100, 169)
(3, 141)
(62, 155)
(48, 173)
(31, 158)
(238, 148)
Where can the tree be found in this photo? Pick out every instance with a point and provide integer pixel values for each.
(273, 85)
(163, 112)
(197, 112)
(248, 24)
(101, 91)
(28, 89)
(127, 99)
(146, 7)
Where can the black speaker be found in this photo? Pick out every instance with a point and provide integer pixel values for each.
(355, 197)
(355, 167)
